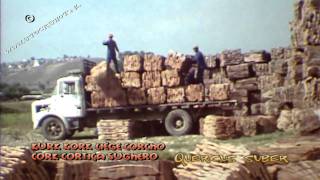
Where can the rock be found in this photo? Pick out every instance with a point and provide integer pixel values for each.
(266, 124)
(151, 79)
(302, 120)
(131, 79)
(153, 62)
(195, 92)
(219, 92)
(170, 78)
(156, 95)
(133, 63)
(238, 71)
(175, 95)
(309, 121)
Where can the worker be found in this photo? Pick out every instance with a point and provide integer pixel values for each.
(199, 58)
(190, 77)
(112, 48)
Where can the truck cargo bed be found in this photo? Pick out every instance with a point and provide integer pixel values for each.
(227, 105)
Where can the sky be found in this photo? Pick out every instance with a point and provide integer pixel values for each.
(148, 25)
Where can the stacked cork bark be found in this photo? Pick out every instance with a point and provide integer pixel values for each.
(16, 163)
(151, 79)
(133, 170)
(226, 127)
(105, 87)
(302, 154)
(305, 26)
(276, 86)
(72, 170)
(239, 169)
(123, 129)
(300, 160)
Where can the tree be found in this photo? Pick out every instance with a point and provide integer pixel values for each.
(12, 91)
(41, 86)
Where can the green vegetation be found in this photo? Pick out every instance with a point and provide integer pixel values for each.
(13, 91)
(16, 114)
(16, 129)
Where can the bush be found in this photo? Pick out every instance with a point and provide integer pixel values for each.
(13, 91)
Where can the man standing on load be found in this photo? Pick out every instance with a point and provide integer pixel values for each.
(199, 58)
(111, 55)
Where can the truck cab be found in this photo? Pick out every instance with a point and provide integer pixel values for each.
(58, 116)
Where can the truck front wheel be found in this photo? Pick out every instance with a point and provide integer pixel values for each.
(178, 122)
(53, 129)
(71, 133)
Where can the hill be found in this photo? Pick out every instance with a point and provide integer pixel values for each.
(44, 76)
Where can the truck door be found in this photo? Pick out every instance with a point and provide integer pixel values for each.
(70, 99)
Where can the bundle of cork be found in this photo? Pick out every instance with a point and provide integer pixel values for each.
(236, 168)
(16, 163)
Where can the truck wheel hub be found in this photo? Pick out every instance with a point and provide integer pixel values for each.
(179, 123)
(54, 129)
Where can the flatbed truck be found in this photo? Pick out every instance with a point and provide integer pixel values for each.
(69, 110)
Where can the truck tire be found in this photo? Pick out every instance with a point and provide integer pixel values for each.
(53, 129)
(178, 122)
(71, 133)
